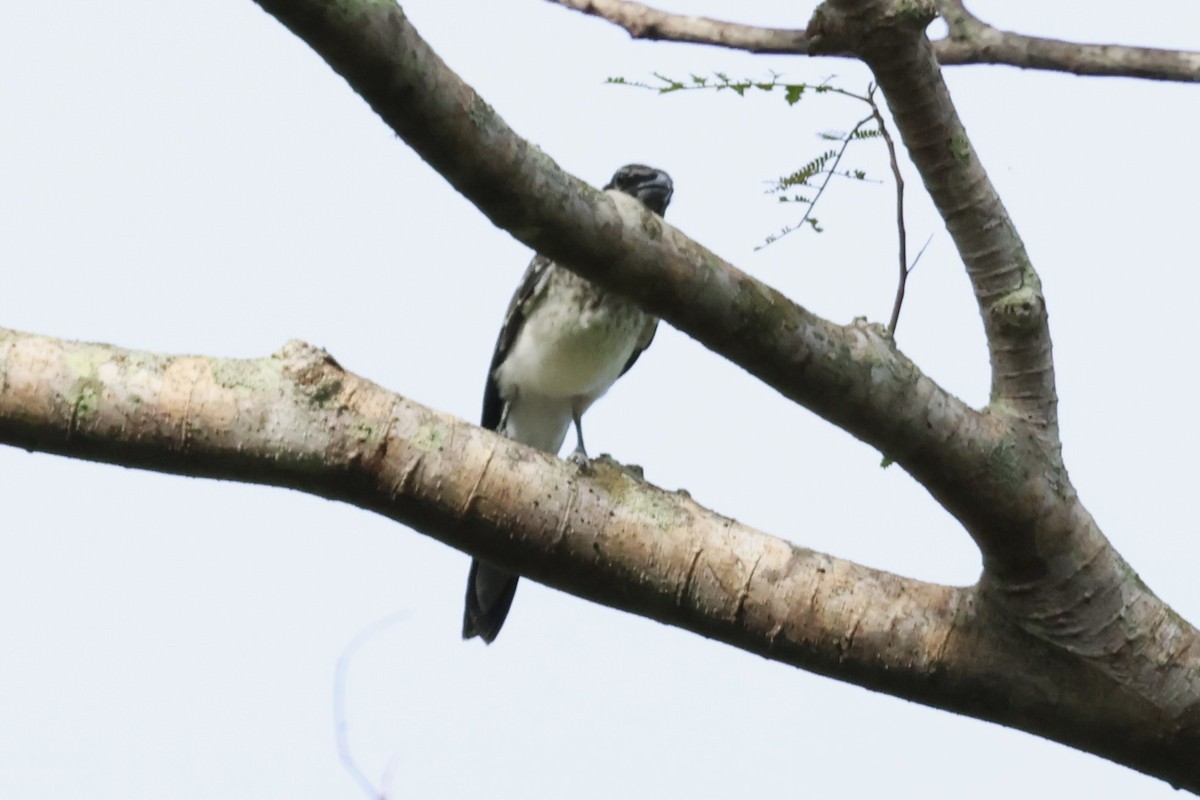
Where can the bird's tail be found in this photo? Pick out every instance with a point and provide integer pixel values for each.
(489, 596)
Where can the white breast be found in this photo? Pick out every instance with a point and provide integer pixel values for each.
(562, 354)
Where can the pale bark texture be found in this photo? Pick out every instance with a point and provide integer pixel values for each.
(1058, 638)
(971, 41)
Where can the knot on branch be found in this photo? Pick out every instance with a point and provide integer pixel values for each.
(316, 373)
(1019, 310)
(856, 26)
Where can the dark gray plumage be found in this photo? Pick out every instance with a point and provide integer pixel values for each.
(564, 342)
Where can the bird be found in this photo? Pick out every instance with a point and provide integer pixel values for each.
(563, 344)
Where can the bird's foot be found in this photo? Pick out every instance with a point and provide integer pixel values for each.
(579, 458)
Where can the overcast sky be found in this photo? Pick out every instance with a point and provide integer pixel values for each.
(190, 178)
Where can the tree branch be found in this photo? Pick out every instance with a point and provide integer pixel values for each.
(890, 38)
(1048, 568)
(901, 232)
(643, 22)
(1116, 671)
(1056, 599)
(298, 420)
(852, 375)
(971, 41)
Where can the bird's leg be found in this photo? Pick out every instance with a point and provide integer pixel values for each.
(579, 455)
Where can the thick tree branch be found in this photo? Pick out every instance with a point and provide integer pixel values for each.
(852, 375)
(1059, 638)
(1072, 593)
(890, 38)
(1049, 569)
(971, 41)
(298, 420)
(1006, 286)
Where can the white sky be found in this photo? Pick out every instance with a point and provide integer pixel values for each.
(191, 178)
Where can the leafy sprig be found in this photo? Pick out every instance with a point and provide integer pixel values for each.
(825, 166)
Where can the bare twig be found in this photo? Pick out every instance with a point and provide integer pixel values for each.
(901, 234)
(643, 22)
(905, 271)
(832, 169)
(828, 177)
(920, 253)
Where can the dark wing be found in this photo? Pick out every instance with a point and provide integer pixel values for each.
(514, 318)
(641, 348)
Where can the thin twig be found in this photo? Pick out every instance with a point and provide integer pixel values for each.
(902, 235)
(828, 177)
(920, 253)
(832, 169)
(643, 22)
(971, 41)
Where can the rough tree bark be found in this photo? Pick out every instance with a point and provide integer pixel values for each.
(1059, 637)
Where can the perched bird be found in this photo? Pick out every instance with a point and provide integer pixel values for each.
(564, 342)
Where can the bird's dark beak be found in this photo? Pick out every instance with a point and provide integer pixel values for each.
(656, 194)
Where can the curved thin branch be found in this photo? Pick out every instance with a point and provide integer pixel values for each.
(971, 41)
(890, 38)
(901, 231)
(643, 22)
(297, 419)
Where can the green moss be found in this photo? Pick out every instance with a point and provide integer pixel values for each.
(1017, 300)
(1016, 308)
(763, 311)
(1004, 463)
(663, 509)
(428, 438)
(1134, 579)
(480, 113)
(915, 11)
(325, 391)
(85, 361)
(960, 146)
(363, 431)
(84, 397)
(257, 376)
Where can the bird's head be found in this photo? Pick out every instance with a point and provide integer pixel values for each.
(652, 186)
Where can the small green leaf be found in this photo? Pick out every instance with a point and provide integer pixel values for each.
(793, 93)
